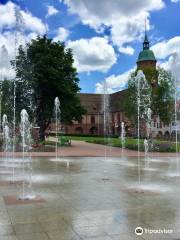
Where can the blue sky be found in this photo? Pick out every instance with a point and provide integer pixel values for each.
(106, 36)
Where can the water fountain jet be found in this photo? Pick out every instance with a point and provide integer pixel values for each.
(106, 118)
(57, 112)
(6, 137)
(123, 134)
(25, 130)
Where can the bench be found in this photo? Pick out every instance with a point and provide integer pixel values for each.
(63, 140)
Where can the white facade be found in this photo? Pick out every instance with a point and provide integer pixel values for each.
(174, 128)
(158, 128)
(161, 129)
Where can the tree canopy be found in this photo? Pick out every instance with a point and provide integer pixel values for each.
(44, 70)
(161, 89)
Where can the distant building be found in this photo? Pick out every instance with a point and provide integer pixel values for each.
(93, 122)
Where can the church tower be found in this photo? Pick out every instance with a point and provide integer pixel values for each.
(146, 58)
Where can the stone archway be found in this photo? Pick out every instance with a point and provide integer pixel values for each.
(159, 134)
(173, 135)
(93, 130)
(79, 130)
(167, 135)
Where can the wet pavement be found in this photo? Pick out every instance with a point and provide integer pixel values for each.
(94, 198)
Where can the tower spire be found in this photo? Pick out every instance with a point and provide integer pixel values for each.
(146, 41)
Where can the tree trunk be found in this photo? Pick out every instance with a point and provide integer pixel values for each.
(42, 134)
(43, 126)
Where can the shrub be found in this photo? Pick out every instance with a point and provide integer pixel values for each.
(164, 147)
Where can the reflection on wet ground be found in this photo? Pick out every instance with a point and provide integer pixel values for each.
(93, 198)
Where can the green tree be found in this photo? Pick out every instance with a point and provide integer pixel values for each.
(162, 89)
(163, 96)
(45, 71)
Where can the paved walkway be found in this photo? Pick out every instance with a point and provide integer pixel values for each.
(84, 149)
(90, 199)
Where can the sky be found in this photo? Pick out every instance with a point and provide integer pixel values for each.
(106, 35)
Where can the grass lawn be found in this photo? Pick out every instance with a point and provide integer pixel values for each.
(130, 143)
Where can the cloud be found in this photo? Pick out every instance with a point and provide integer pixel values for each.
(7, 39)
(51, 11)
(165, 48)
(31, 23)
(127, 30)
(62, 34)
(172, 64)
(114, 83)
(32, 26)
(168, 53)
(175, 1)
(125, 19)
(127, 50)
(94, 54)
(7, 18)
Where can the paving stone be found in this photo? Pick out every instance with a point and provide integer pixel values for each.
(8, 237)
(86, 232)
(33, 236)
(27, 228)
(63, 235)
(6, 230)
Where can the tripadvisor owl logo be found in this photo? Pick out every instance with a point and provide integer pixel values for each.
(139, 231)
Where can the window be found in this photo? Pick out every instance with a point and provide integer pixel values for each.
(80, 121)
(92, 119)
(118, 118)
(112, 117)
